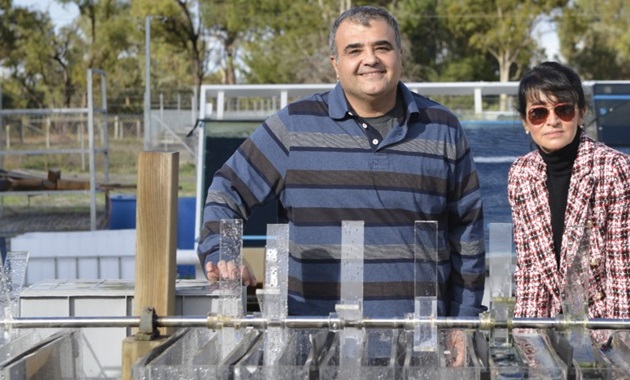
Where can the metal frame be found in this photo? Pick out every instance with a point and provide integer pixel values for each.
(91, 110)
(484, 322)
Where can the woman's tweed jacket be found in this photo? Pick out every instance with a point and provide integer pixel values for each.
(599, 194)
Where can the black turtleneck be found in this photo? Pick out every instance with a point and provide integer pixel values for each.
(559, 166)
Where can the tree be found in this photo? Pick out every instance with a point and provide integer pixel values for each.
(227, 24)
(289, 43)
(501, 28)
(7, 36)
(435, 53)
(292, 45)
(33, 80)
(65, 55)
(595, 38)
(103, 34)
(179, 26)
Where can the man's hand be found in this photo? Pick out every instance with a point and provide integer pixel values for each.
(456, 344)
(229, 271)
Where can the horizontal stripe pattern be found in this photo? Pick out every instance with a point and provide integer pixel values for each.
(316, 159)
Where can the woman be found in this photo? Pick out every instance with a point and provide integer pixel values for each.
(569, 180)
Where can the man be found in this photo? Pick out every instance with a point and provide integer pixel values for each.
(368, 150)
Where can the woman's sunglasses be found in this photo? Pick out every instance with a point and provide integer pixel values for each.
(538, 115)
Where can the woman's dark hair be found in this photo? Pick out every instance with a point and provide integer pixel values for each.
(555, 81)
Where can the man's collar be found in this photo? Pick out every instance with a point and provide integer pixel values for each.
(338, 107)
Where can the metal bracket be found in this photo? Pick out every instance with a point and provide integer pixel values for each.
(148, 324)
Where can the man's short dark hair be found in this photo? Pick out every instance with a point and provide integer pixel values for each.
(362, 15)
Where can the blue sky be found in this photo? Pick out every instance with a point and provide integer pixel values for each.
(60, 14)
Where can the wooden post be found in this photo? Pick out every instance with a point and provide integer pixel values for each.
(47, 123)
(156, 232)
(156, 246)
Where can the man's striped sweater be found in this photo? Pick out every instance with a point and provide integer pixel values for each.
(324, 167)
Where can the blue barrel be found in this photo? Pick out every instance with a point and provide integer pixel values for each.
(123, 214)
(186, 222)
(124, 217)
(186, 233)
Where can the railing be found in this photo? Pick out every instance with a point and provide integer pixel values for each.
(224, 101)
(258, 101)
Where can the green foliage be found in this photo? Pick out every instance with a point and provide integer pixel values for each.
(30, 62)
(595, 38)
(435, 48)
(291, 46)
(7, 36)
(286, 41)
(501, 28)
(424, 39)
